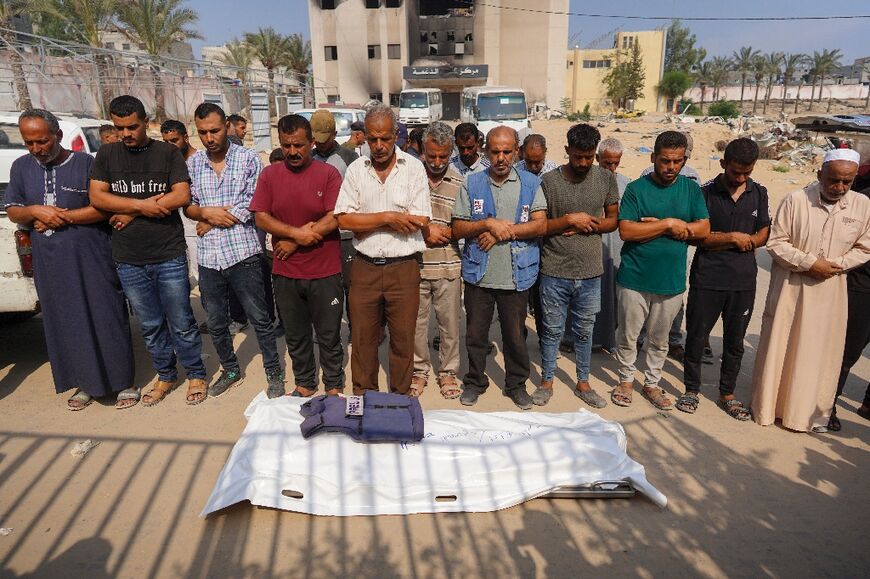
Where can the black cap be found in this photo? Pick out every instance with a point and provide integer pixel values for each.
(358, 126)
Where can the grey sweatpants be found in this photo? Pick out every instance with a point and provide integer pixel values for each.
(445, 297)
(658, 312)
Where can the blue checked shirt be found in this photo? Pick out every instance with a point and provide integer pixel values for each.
(221, 247)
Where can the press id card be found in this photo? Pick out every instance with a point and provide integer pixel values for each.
(353, 406)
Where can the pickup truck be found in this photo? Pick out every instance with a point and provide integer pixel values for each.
(18, 299)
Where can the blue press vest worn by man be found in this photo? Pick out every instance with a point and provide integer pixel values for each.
(525, 253)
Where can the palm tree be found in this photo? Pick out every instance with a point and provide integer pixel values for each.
(759, 69)
(240, 56)
(271, 48)
(773, 61)
(10, 9)
(720, 67)
(791, 62)
(703, 73)
(743, 63)
(830, 59)
(157, 25)
(298, 58)
(84, 22)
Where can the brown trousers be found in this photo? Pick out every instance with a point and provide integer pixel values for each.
(377, 291)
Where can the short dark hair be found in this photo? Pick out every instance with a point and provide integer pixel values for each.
(206, 109)
(464, 131)
(173, 125)
(126, 105)
(743, 151)
(276, 155)
(535, 140)
(583, 137)
(670, 140)
(236, 118)
(106, 129)
(289, 124)
(416, 136)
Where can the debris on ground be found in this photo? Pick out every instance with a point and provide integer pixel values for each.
(5, 532)
(83, 447)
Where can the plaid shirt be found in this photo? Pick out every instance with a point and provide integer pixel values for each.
(221, 247)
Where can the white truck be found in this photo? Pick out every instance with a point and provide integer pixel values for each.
(493, 106)
(18, 299)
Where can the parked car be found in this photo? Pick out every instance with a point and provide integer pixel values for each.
(18, 298)
(344, 118)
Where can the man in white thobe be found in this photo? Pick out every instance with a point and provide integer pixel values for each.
(817, 235)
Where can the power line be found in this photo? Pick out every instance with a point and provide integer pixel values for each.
(683, 18)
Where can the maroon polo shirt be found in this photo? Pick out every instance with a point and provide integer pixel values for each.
(296, 199)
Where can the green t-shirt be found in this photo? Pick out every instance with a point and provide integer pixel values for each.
(658, 266)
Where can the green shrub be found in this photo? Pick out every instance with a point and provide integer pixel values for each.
(781, 168)
(724, 109)
(693, 108)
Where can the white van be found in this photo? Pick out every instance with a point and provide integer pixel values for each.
(492, 106)
(420, 106)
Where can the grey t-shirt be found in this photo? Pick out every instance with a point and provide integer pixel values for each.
(499, 270)
(576, 256)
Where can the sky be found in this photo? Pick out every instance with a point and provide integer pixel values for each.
(222, 20)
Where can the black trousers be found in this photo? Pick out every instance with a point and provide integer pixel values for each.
(304, 303)
(857, 338)
(480, 304)
(703, 310)
(237, 312)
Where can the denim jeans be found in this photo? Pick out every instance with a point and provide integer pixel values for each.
(245, 279)
(582, 297)
(159, 294)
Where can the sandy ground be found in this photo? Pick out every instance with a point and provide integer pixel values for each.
(744, 500)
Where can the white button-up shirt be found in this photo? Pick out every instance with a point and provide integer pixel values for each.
(405, 190)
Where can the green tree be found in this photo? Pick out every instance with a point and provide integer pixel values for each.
(759, 69)
(625, 81)
(773, 62)
(240, 56)
(673, 85)
(10, 9)
(157, 25)
(744, 60)
(791, 62)
(271, 48)
(703, 74)
(680, 51)
(830, 59)
(83, 22)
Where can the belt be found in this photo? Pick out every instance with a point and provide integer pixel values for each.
(387, 260)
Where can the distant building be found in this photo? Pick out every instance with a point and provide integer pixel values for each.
(856, 73)
(372, 49)
(114, 38)
(587, 68)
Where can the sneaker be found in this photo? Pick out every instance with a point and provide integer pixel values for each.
(225, 380)
(469, 396)
(676, 352)
(521, 398)
(236, 327)
(707, 356)
(275, 383)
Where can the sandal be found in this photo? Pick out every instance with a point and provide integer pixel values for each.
(449, 387)
(688, 402)
(130, 395)
(418, 384)
(195, 388)
(157, 393)
(79, 401)
(622, 394)
(657, 398)
(735, 409)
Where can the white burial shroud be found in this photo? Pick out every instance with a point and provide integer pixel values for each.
(487, 461)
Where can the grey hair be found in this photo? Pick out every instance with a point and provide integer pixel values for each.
(49, 118)
(612, 145)
(382, 110)
(513, 131)
(535, 140)
(440, 133)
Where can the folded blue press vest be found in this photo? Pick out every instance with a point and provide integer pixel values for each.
(386, 418)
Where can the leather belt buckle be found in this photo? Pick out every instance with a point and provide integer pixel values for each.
(379, 260)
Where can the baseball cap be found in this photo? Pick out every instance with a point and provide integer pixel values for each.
(322, 125)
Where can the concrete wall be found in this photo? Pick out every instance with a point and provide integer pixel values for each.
(732, 93)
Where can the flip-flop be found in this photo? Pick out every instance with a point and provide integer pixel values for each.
(127, 394)
(83, 398)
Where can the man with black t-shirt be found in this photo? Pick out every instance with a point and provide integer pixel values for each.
(144, 182)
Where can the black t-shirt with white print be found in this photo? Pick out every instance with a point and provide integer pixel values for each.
(139, 174)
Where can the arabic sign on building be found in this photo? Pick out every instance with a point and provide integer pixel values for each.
(428, 72)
